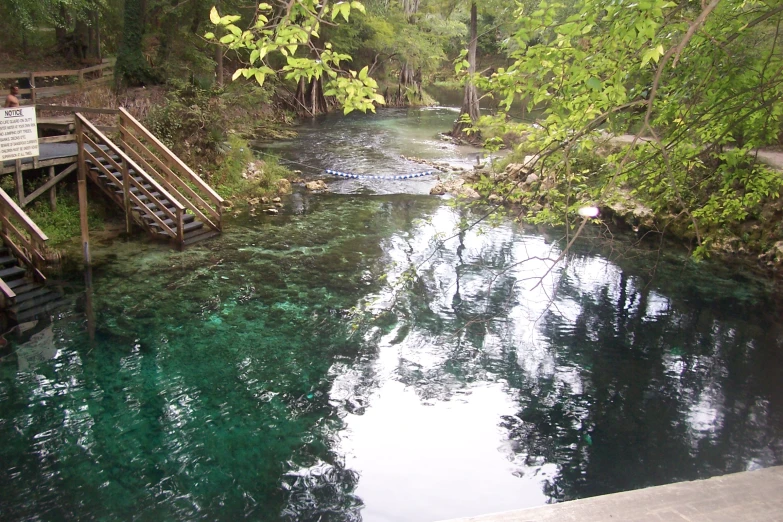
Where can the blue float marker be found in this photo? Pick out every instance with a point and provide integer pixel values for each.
(363, 176)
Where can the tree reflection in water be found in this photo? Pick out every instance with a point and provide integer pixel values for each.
(621, 381)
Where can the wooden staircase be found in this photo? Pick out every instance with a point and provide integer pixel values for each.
(23, 291)
(156, 190)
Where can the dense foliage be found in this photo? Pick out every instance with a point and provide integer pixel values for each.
(699, 86)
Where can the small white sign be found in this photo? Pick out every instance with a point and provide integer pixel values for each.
(18, 133)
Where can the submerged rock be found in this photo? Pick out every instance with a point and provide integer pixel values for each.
(316, 185)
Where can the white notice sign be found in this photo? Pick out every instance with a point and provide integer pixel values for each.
(18, 133)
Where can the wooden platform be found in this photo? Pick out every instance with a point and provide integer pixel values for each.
(51, 154)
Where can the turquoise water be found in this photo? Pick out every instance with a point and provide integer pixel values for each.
(296, 368)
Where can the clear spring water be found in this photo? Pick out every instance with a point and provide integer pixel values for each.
(296, 369)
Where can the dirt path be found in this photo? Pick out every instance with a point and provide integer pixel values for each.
(772, 158)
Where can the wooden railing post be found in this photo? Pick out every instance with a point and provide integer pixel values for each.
(180, 227)
(19, 182)
(125, 182)
(82, 186)
(52, 191)
(32, 88)
(126, 195)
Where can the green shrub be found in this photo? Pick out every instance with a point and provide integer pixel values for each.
(64, 223)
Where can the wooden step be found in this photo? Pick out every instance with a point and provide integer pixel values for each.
(11, 273)
(21, 285)
(105, 178)
(199, 235)
(155, 204)
(187, 219)
(139, 193)
(34, 302)
(7, 260)
(35, 290)
(186, 227)
(45, 308)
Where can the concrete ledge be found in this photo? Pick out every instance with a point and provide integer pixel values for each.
(747, 496)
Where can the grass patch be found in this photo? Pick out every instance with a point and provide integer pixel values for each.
(241, 175)
(64, 223)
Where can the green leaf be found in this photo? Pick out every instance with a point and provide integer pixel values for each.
(237, 74)
(209, 36)
(214, 17)
(229, 19)
(228, 39)
(594, 83)
(260, 78)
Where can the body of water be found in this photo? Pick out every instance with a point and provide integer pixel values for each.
(359, 358)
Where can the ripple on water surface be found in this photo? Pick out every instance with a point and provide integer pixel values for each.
(296, 369)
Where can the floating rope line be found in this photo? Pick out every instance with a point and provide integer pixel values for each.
(349, 174)
(362, 176)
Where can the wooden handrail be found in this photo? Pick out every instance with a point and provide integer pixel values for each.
(168, 174)
(28, 250)
(107, 64)
(114, 148)
(74, 109)
(179, 209)
(125, 116)
(7, 292)
(28, 224)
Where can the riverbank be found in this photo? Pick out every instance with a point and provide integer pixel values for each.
(537, 190)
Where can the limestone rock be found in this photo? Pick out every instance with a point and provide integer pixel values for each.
(254, 170)
(531, 178)
(439, 189)
(283, 186)
(315, 185)
(272, 211)
(531, 160)
(276, 200)
(468, 192)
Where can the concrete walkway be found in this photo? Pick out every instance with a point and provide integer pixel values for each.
(748, 496)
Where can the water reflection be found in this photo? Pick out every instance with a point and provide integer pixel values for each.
(600, 379)
(298, 369)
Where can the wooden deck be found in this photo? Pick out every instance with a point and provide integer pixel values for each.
(52, 154)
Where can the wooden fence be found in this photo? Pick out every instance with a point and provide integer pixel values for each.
(77, 79)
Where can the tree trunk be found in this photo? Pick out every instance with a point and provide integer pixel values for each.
(310, 97)
(218, 59)
(61, 31)
(470, 101)
(408, 75)
(132, 67)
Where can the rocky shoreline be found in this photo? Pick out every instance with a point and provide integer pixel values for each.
(620, 209)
